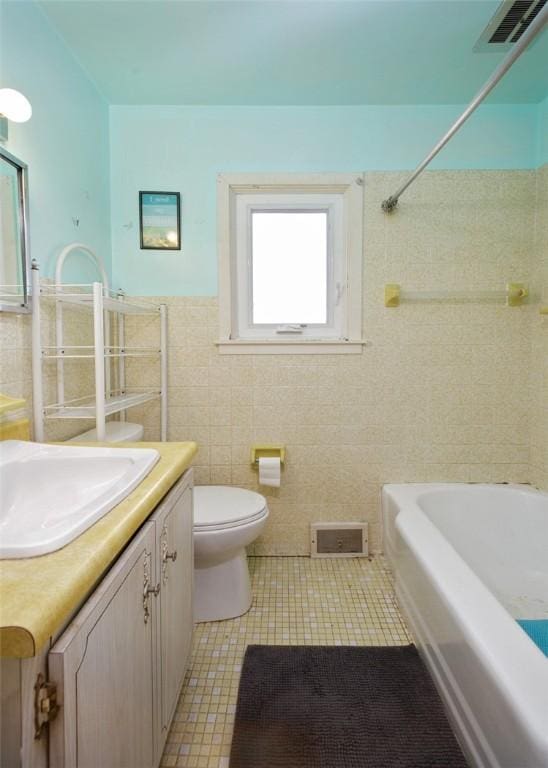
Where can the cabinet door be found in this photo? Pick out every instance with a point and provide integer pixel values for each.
(103, 666)
(176, 625)
(19, 746)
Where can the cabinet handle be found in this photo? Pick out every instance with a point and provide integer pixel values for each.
(166, 555)
(147, 589)
(146, 592)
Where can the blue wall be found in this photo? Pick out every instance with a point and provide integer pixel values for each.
(542, 139)
(65, 144)
(183, 148)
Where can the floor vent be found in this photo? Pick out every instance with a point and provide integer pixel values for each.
(338, 540)
(508, 24)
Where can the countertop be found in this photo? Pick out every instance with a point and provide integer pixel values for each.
(38, 595)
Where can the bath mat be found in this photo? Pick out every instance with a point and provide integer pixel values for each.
(340, 707)
(537, 629)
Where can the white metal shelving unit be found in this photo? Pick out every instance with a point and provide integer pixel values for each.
(97, 299)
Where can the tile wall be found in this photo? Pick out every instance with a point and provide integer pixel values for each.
(442, 392)
(539, 358)
(16, 362)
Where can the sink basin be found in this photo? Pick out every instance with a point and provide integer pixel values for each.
(52, 493)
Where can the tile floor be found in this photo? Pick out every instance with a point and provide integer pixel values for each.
(297, 601)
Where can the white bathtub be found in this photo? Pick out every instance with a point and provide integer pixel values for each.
(469, 560)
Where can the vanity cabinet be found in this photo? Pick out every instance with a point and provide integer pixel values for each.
(120, 664)
(103, 666)
(175, 616)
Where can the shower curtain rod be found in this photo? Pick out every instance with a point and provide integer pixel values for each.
(534, 28)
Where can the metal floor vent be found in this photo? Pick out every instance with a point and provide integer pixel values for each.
(508, 24)
(338, 540)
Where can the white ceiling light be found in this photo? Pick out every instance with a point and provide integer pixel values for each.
(13, 106)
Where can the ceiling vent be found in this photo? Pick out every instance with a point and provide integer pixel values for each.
(508, 25)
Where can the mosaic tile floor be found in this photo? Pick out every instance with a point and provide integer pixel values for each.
(297, 601)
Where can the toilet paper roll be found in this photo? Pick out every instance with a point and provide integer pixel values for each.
(269, 471)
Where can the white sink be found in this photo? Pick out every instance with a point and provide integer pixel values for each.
(50, 494)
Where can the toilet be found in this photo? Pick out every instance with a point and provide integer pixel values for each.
(226, 520)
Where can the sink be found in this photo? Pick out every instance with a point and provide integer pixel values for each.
(52, 493)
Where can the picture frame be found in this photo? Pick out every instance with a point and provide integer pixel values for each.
(160, 221)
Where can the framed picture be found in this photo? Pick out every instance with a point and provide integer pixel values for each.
(160, 221)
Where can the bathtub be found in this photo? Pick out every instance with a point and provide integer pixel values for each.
(468, 561)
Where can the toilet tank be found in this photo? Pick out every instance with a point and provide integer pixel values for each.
(116, 432)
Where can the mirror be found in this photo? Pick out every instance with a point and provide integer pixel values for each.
(14, 239)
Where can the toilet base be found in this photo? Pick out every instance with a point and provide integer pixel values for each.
(222, 591)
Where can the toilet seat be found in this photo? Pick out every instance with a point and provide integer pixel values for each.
(218, 507)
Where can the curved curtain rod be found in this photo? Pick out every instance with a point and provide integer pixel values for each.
(532, 30)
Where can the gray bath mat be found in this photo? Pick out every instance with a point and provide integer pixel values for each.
(340, 707)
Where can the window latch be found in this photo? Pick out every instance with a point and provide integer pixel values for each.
(290, 328)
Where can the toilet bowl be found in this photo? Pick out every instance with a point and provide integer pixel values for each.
(226, 520)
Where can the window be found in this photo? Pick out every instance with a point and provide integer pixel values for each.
(290, 253)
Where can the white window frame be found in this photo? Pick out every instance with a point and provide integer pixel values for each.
(341, 195)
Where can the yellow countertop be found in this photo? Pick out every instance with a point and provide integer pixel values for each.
(38, 595)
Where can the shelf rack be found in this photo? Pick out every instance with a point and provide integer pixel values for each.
(85, 407)
(97, 299)
(78, 294)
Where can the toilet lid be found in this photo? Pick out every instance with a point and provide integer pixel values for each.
(218, 505)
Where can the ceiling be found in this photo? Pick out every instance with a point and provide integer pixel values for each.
(292, 52)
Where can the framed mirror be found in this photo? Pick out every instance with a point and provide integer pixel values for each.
(14, 235)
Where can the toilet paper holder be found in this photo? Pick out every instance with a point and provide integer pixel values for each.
(270, 451)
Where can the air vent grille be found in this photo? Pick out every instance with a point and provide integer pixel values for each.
(530, 18)
(338, 540)
(508, 24)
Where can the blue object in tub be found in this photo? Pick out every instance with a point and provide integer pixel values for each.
(537, 629)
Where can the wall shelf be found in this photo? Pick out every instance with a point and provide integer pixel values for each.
(81, 295)
(108, 351)
(68, 352)
(85, 407)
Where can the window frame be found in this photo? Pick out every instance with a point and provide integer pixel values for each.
(242, 321)
(238, 196)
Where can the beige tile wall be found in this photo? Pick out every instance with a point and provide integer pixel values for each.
(15, 359)
(446, 391)
(16, 362)
(442, 392)
(539, 363)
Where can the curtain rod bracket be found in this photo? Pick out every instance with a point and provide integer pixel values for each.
(389, 205)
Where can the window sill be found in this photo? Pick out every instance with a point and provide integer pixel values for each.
(296, 347)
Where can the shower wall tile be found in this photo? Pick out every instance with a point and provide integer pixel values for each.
(539, 366)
